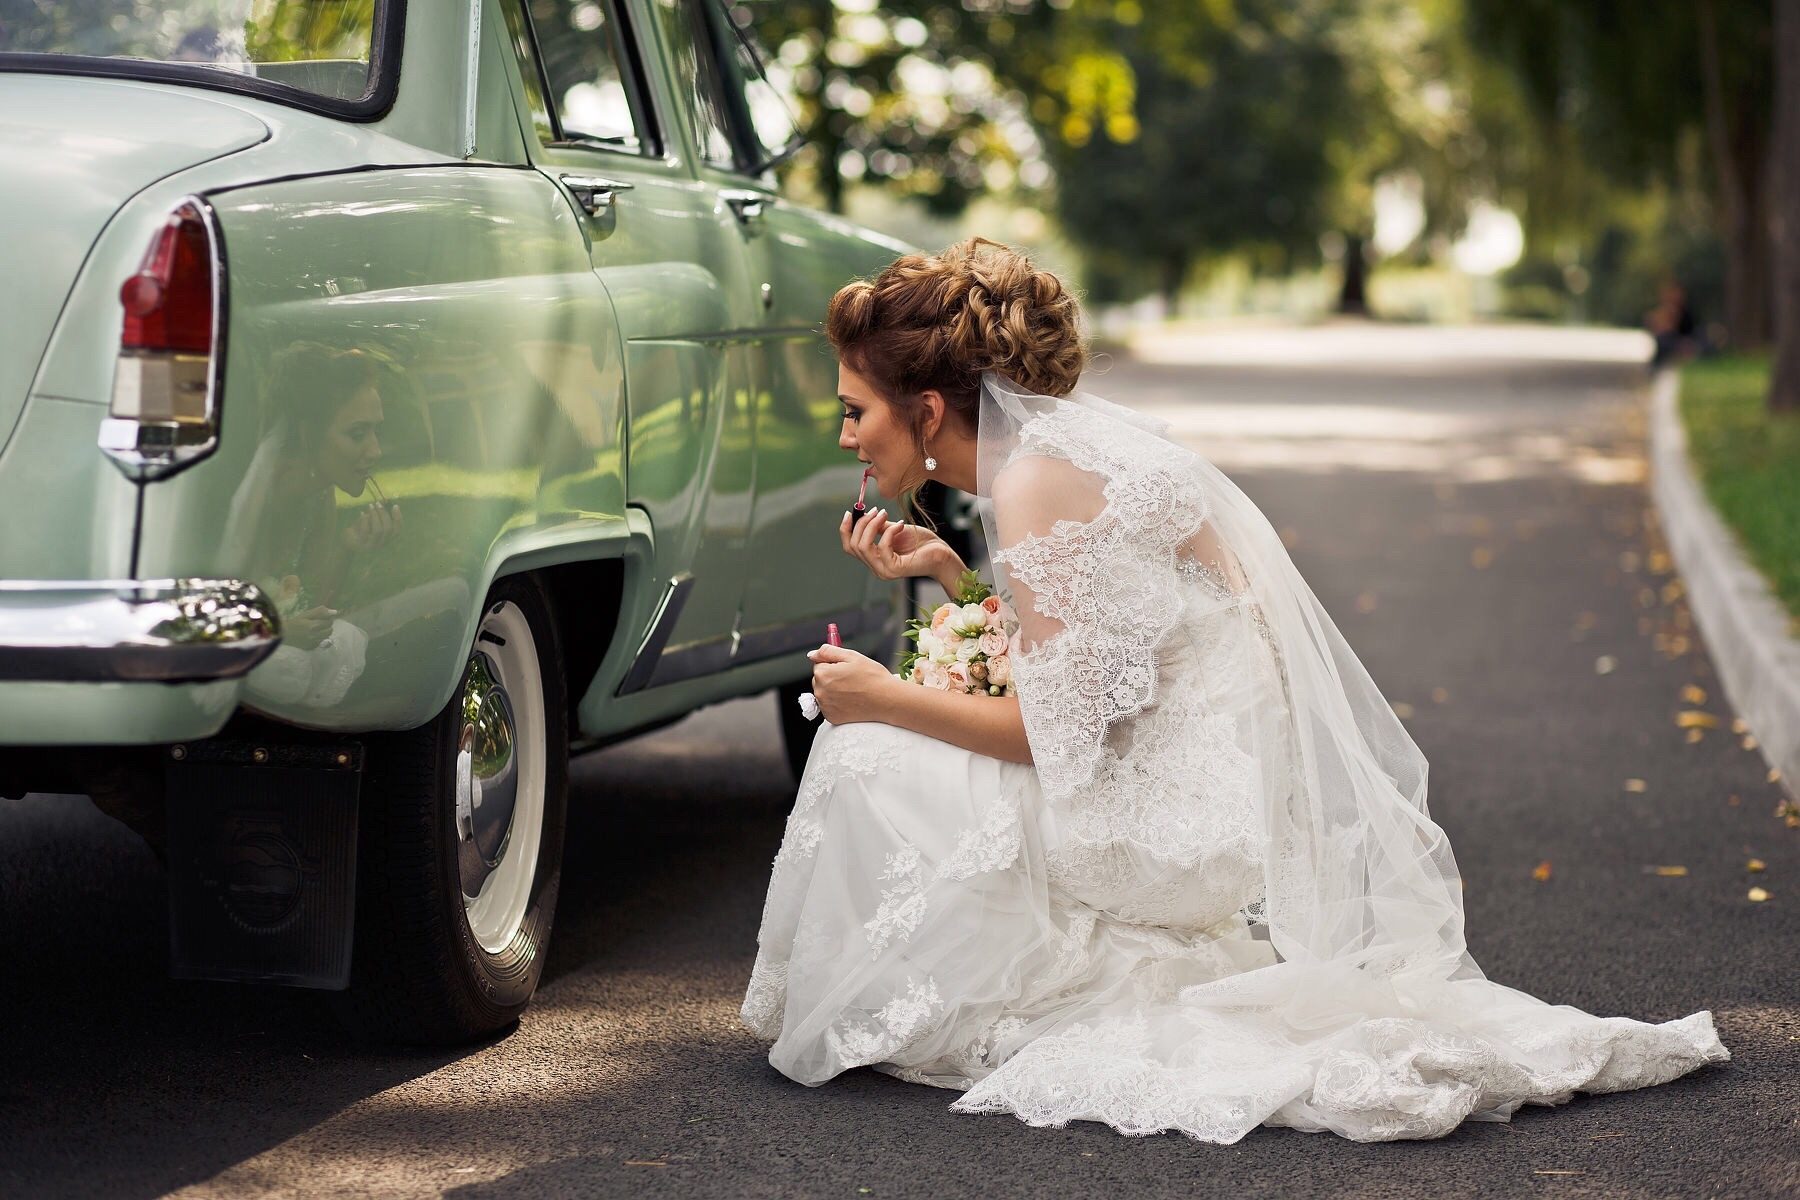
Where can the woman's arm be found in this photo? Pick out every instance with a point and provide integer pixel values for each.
(990, 725)
(850, 687)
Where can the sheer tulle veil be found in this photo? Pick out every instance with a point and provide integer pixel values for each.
(1350, 878)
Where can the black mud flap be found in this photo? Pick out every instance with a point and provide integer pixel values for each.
(262, 861)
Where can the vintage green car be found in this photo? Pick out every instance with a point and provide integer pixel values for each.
(394, 397)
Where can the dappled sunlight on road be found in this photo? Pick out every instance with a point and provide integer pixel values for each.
(1368, 346)
(1469, 405)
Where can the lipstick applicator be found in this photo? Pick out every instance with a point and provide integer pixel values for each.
(863, 491)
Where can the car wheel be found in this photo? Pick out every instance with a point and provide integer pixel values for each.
(460, 853)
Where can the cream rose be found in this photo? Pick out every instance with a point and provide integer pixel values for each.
(993, 643)
(935, 676)
(999, 670)
(959, 677)
(967, 649)
(970, 620)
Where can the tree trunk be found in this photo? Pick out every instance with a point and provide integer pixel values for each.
(1173, 273)
(1784, 393)
(1738, 144)
(1353, 298)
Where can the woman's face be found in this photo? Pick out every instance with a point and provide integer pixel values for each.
(352, 443)
(874, 431)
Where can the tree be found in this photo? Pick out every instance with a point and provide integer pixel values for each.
(1784, 394)
(1226, 151)
(1616, 86)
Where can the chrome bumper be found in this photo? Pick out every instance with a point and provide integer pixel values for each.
(134, 631)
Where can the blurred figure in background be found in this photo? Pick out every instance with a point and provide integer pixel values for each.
(1673, 326)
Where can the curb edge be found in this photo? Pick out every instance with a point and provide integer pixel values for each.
(1745, 626)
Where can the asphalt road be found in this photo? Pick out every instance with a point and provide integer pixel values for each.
(1470, 508)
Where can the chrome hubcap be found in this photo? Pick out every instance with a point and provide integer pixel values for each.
(487, 778)
(500, 776)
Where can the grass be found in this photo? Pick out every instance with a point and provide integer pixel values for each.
(1749, 462)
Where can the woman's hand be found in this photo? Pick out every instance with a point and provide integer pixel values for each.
(850, 687)
(373, 526)
(308, 627)
(896, 550)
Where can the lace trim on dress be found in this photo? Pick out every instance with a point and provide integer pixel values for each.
(1089, 575)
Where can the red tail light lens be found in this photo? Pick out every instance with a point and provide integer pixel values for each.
(165, 406)
(169, 302)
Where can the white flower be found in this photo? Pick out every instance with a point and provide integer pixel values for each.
(809, 706)
(993, 643)
(935, 676)
(930, 644)
(967, 649)
(1000, 670)
(970, 620)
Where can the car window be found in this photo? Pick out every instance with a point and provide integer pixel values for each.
(323, 52)
(580, 82)
(765, 114)
(691, 40)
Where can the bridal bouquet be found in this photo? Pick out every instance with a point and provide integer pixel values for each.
(964, 645)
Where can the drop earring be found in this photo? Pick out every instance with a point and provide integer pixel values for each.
(930, 462)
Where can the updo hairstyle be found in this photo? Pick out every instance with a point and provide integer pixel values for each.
(937, 321)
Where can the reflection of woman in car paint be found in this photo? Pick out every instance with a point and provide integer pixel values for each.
(324, 436)
(335, 444)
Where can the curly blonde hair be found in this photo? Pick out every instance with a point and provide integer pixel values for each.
(937, 321)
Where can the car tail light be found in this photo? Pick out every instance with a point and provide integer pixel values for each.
(164, 412)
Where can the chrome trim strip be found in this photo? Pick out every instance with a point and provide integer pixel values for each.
(694, 659)
(163, 630)
(650, 650)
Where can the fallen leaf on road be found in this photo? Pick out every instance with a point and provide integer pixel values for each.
(1749, 741)
(1635, 785)
(1671, 591)
(1739, 725)
(1365, 602)
(1628, 560)
(1733, 800)
(1402, 709)
(1646, 597)
(1693, 693)
(1756, 864)
(1586, 620)
(1660, 563)
(1541, 872)
(1606, 664)
(1758, 895)
(1693, 718)
(1774, 774)
(1481, 558)
(1694, 735)
(1671, 872)
(1440, 695)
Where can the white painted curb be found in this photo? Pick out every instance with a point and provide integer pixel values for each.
(1744, 625)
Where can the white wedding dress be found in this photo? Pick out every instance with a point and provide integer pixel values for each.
(1214, 900)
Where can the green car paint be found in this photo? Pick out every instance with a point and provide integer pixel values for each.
(530, 386)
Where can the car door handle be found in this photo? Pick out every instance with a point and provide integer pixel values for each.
(593, 193)
(747, 205)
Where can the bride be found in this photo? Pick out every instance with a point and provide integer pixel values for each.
(1185, 877)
